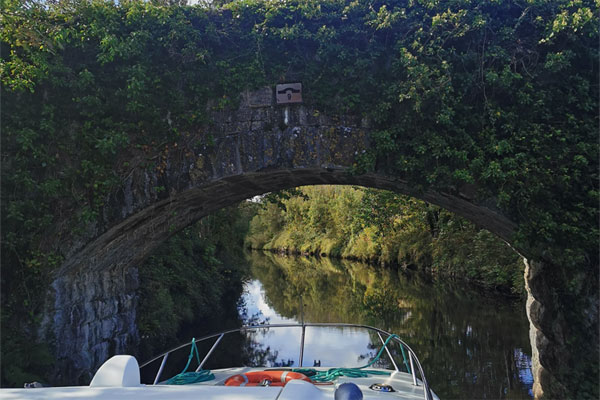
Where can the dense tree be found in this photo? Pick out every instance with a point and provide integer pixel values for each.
(385, 228)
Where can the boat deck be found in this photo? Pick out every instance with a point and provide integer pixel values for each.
(119, 377)
(215, 390)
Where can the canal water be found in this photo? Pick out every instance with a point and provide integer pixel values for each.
(471, 345)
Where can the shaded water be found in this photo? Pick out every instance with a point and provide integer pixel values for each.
(471, 345)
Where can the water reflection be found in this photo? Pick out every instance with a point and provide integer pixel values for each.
(322, 345)
(471, 345)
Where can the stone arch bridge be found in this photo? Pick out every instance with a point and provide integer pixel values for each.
(260, 147)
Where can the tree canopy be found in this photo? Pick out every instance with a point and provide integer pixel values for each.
(385, 228)
(502, 95)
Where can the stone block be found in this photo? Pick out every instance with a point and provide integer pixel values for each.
(257, 126)
(262, 97)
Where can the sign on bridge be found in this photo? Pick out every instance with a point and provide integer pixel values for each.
(289, 93)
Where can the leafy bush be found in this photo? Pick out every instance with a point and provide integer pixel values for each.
(194, 279)
(386, 228)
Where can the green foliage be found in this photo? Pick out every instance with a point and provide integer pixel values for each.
(25, 357)
(386, 228)
(262, 230)
(278, 197)
(194, 279)
(501, 95)
(23, 360)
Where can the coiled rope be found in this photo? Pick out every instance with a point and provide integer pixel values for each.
(333, 373)
(186, 378)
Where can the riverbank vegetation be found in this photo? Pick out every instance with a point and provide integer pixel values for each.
(385, 228)
(460, 334)
(191, 283)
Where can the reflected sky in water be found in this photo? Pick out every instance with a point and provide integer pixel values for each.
(472, 345)
(330, 346)
(256, 304)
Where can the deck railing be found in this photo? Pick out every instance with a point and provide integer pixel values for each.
(412, 357)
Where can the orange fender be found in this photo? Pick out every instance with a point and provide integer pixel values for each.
(265, 378)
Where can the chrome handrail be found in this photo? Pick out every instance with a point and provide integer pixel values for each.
(411, 354)
(388, 352)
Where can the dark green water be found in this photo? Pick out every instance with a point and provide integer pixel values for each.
(471, 345)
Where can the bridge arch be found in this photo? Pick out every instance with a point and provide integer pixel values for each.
(260, 147)
(132, 239)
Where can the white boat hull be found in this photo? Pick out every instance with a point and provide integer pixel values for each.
(215, 390)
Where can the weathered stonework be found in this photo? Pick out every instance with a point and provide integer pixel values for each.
(536, 313)
(560, 361)
(94, 317)
(258, 148)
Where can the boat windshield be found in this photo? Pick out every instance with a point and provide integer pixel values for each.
(305, 345)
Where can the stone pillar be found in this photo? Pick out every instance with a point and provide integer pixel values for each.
(93, 317)
(562, 308)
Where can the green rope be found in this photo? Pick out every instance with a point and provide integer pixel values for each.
(186, 378)
(404, 358)
(334, 373)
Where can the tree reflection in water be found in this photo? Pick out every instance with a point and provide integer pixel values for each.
(471, 345)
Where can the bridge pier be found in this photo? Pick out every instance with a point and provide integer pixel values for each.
(563, 331)
(92, 316)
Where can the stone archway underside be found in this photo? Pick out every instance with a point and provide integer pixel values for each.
(132, 240)
(258, 148)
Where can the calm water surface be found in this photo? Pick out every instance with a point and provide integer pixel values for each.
(471, 345)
